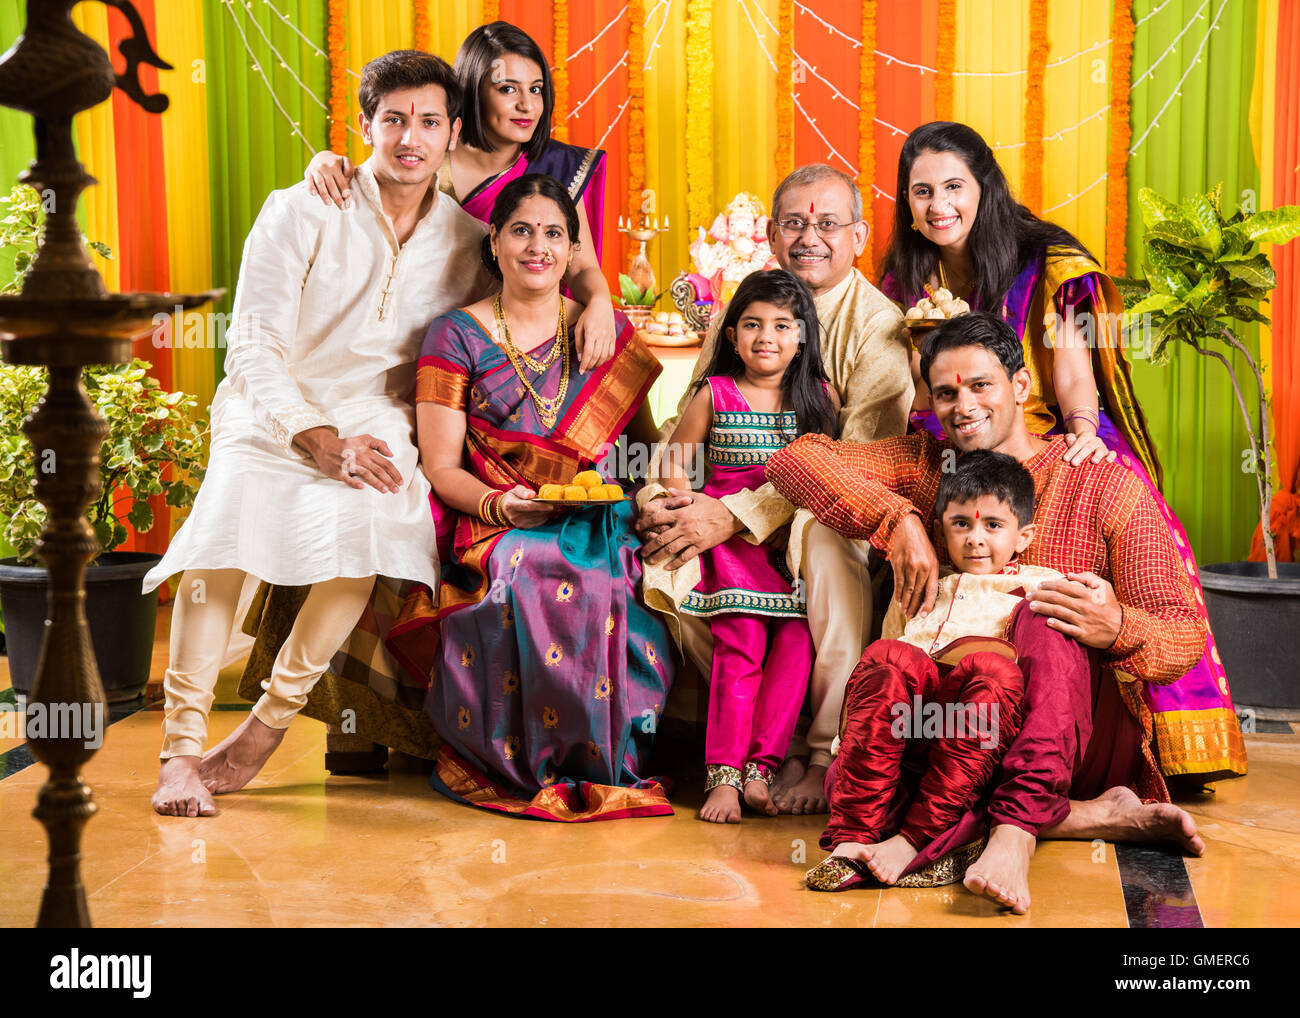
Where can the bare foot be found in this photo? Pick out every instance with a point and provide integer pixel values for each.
(1001, 873)
(721, 806)
(180, 793)
(789, 774)
(1119, 815)
(238, 758)
(758, 798)
(888, 859)
(807, 795)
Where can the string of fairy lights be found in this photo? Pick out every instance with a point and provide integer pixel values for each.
(890, 59)
(257, 64)
(295, 127)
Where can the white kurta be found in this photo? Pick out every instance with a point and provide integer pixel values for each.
(308, 346)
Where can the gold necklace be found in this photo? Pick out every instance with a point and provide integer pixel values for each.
(548, 410)
(537, 365)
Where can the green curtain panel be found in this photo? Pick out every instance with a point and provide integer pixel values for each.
(1203, 137)
(252, 148)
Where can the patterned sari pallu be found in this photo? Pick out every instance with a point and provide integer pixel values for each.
(546, 675)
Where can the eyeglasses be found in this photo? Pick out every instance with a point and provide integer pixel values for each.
(793, 228)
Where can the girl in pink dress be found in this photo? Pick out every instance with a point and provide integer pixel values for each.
(764, 388)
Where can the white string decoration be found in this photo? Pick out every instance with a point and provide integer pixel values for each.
(294, 125)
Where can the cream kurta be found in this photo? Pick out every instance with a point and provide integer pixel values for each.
(966, 605)
(309, 346)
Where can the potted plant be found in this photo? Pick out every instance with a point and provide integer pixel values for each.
(1205, 276)
(151, 434)
(636, 302)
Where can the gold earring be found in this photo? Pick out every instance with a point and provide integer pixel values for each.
(915, 227)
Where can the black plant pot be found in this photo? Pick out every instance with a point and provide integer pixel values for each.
(121, 619)
(1256, 623)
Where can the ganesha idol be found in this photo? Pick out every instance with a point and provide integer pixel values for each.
(735, 246)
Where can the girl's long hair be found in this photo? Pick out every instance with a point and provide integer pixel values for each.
(1005, 238)
(804, 383)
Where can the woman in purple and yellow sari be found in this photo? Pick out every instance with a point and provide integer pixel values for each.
(958, 227)
(546, 674)
(505, 132)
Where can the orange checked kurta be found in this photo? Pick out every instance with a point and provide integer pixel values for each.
(1097, 518)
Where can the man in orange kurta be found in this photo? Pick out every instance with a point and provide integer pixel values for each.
(1125, 594)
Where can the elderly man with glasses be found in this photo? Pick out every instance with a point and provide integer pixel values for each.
(816, 232)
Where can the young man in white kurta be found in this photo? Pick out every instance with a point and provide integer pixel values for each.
(313, 476)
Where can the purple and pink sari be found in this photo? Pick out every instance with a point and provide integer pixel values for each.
(580, 170)
(546, 675)
(1193, 720)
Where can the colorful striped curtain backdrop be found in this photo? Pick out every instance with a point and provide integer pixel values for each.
(1084, 101)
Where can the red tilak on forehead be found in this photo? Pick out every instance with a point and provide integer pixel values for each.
(412, 109)
(977, 514)
(959, 379)
(812, 209)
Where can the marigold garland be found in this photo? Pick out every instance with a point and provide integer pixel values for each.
(867, 131)
(422, 33)
(635, 105)
(785, 90)
(945, 58)
(491, 11)
(335, 36)
(699, 112)
(1031, 164)
(1121, 132)
(560, 70)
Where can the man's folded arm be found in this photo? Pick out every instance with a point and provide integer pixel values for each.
(1162, 634)
(859, 489)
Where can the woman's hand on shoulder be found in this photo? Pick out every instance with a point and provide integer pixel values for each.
(1082, 448)
(521, 510)
(595, 334)
(328, 176)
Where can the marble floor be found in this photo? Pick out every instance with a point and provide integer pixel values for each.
(304, 848)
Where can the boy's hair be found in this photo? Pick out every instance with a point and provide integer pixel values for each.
(978, 328)
(402, 69)
(984, 472)
(805, 378)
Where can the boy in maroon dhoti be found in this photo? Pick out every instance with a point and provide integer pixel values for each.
(932, 707)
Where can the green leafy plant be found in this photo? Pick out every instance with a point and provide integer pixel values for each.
(1205, 276)
(634, 295)
(20, 229)
(150, 431)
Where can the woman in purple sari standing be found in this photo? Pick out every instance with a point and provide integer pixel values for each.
(505, 133)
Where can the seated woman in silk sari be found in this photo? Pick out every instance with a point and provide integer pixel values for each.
(546, 675)
(505, 132)
(957, 226)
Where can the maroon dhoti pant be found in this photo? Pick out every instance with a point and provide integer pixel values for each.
(1076, 739)
(920, 742)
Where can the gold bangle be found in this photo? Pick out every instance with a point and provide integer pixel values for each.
(485, 507)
